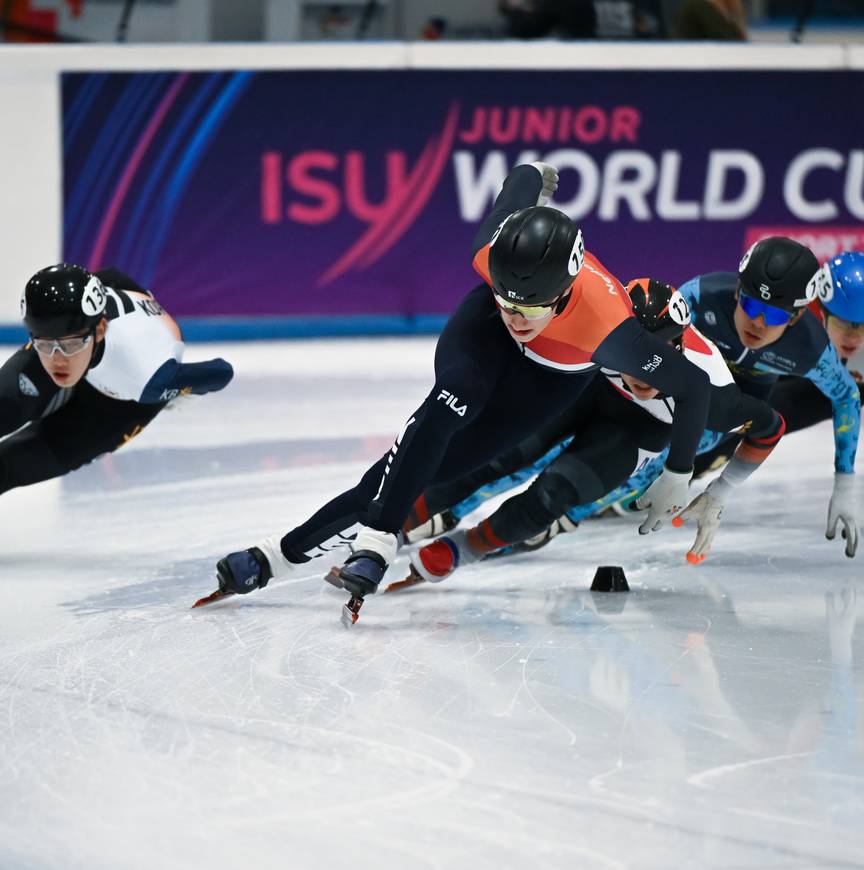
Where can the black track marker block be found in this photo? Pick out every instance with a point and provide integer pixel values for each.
(610, 578)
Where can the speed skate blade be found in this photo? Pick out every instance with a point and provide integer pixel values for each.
(411, 580)
(212, 598)
(351, 611)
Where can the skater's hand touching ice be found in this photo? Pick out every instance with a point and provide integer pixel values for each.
(706, 509)
(841, 509)
(664, 498)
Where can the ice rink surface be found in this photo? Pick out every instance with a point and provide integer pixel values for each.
(508, 718)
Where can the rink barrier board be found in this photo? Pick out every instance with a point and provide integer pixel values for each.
(195, 329)
(202, 189)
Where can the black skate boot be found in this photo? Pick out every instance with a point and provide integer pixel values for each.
(363, 570)
(238, 574)
(243, 572)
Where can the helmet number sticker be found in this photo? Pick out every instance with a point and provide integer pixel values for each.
(746, 258)
(93, 298)
(679, 310)
(764, 292)
(577, 255)
(821, 285)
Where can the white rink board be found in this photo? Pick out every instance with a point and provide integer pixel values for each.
(504, 719)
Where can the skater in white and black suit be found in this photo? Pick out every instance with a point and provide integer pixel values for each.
(104, 358)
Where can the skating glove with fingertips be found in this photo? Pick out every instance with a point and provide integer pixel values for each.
(664, 498)
(841, 509)
(549, 175)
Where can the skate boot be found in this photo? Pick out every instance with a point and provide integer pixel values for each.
(247, 570)
(243, 572)
(438, 560)
(433, 562)
(363, 570)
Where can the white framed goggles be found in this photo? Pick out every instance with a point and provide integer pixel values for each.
(529, 312)
(69, 346)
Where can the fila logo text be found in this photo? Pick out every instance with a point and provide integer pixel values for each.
(452, 402)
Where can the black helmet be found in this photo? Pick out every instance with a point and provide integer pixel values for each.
(535, 255)
(779, 272)
(660, 309)
(62, 300)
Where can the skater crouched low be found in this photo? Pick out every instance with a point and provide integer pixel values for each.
(104, 358)
(519, 349)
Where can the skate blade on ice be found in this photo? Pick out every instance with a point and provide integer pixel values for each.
(412, 579)
(213, 597)
(351, 609)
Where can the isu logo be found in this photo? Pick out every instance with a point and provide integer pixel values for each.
(452, 402)
(320, 185)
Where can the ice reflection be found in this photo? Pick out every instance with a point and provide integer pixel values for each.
(132, 468)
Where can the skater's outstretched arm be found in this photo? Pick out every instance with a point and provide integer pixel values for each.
(527, 184)
(174, 379)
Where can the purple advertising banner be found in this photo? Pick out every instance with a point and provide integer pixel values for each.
(335, 194)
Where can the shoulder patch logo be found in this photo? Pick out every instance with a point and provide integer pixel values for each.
(27, 387)
(653, 364)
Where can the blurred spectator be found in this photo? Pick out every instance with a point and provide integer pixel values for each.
(20, 23)
(434, 28)
(711, 19)
(534, 19)
(583, 19)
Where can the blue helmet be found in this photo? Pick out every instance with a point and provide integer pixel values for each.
(840, 286)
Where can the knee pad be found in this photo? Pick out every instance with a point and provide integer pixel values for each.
(534, 510)
(555, 493)
(581, 480)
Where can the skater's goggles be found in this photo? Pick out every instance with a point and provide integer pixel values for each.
(754, 308)
(529, 312)
(68, 346)
(847, 325)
